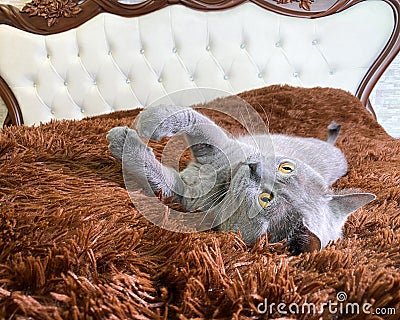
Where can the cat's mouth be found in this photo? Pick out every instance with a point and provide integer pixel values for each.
(303, 240)
(265, 198)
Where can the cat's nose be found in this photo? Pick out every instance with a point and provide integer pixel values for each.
(265, 199)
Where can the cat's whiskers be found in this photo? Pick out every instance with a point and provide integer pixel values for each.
(214, 197)
(245, 124)
(220, 189)
(254, 130)
(267, 117)
(220, 211)
(227, 198)
(228, 201)
(209, 210)
(223, 184)
(267, 144)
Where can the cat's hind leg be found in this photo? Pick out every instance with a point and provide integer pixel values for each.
(203, 135)
(156, 122)
(140, 166)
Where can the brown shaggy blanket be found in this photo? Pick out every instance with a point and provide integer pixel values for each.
(73, 246)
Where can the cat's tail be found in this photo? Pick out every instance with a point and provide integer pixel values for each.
(333, 132)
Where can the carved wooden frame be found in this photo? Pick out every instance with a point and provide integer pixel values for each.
(30, 22)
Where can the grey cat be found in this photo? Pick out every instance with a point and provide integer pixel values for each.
(275, 184)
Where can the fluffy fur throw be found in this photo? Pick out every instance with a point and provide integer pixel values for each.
(73, 246)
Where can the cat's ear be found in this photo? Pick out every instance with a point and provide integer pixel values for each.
(342, 205)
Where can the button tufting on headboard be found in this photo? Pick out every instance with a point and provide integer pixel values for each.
(114, 63)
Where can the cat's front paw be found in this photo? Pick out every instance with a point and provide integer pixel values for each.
(124, 137)
(156, 122)
(116, 140)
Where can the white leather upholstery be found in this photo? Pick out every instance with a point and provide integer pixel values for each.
(113, 63)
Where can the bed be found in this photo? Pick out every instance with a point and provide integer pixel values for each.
(73, 244)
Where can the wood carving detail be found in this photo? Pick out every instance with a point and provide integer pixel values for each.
(52, 10)
(303, 4)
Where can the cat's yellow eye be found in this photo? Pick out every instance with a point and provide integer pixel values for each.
(264, 199)
(286, 167)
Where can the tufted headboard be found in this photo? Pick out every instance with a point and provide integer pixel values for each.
(100, 56)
